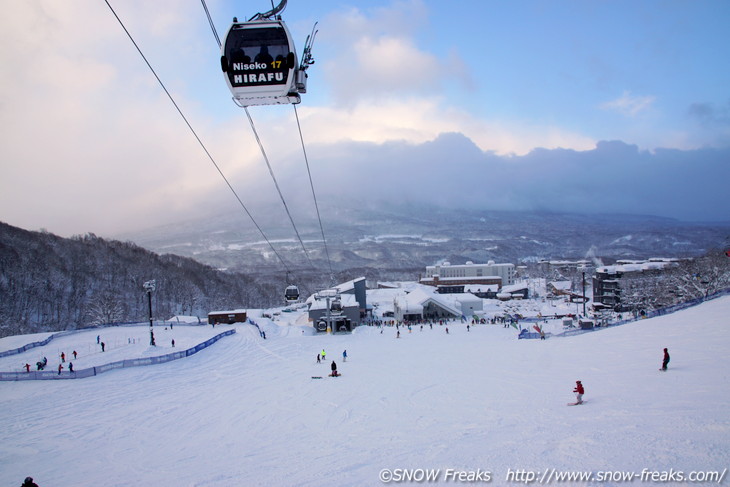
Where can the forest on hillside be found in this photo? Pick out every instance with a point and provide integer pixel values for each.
(53, 283)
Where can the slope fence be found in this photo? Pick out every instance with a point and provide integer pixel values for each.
(46, 341)
(92, 371)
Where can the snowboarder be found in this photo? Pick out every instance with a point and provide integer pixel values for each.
(579, 391)
(74, 352)
(344, 356)
(467, 327)
(334, 369)
(28, 482)
(318, 361)
(397, 335)
(447, 330)
(70, 367)
(173, 343)
(665, 362)
(102, 346)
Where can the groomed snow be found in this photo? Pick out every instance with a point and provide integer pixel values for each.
(246, 411)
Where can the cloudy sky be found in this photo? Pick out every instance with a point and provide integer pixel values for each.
(595, 106)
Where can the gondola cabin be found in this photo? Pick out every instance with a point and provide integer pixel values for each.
(259, 61)
(291, 294)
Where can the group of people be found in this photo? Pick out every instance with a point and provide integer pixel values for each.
(321, 357)
(40, 365)
(580, 390)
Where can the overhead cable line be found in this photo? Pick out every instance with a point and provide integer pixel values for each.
(314, 195)
(266, 158)
(304, 150)
(212, 25)
(196, 135)
(278, 189)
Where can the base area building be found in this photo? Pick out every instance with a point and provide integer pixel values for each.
(470, 273)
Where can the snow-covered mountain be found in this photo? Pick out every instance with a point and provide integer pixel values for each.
(247, 411)
(409, 238)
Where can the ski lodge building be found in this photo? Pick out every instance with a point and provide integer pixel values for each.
(426, 304)
(353, 301)
(489, 274)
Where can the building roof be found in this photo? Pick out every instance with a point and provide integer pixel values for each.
(347, 301)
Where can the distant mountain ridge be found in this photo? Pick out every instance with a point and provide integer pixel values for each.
(410, 238)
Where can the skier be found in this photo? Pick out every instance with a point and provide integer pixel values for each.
(542, 334)
(318, 361)
(27, 367)
(665, 362)
(70, 367)
(344, 356)
(323, 354)
(579, 392)
(102, 346)
(28, 482)
(63, 357)
(334, 369)
(60, 368)
(173, 343)
(74, 352)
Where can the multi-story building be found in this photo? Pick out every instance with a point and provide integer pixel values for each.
(469, 273)
(610, 282)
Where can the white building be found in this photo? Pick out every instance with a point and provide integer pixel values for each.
(469, 273)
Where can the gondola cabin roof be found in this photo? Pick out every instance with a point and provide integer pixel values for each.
(259, 61)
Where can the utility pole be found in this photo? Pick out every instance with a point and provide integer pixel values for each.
(149, 286)
(584, 292)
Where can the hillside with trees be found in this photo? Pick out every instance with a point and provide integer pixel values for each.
(53, 283)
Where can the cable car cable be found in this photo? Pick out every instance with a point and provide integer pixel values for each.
(218, 41)
(205, 149)
(278, 189)
(272, 12)
(314, 195)
(306, 61)
(212, 25)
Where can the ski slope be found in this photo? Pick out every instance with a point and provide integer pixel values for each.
(247, 412)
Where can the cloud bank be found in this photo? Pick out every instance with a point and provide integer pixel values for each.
(90, 143)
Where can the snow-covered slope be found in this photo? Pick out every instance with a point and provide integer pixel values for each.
(246, 411)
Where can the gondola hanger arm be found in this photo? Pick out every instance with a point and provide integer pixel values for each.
(274, 11)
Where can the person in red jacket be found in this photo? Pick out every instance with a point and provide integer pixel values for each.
(579, 391)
